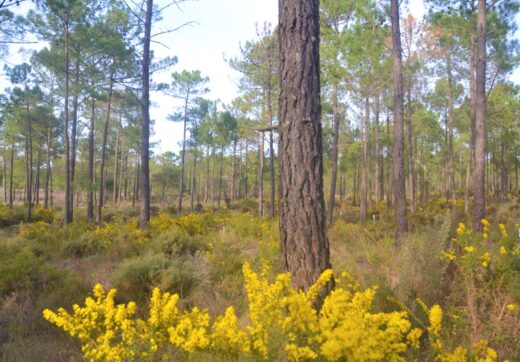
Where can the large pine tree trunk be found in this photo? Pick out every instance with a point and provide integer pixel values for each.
(479, 207)
(398, 149)
(335, 140)
(145, 120)
(305, 247)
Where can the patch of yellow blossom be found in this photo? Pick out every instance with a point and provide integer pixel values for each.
(513, 307)
(503, 250)
(107, 332)
(283, 325)
(486, 258)
(503, 230)
(469, 249)
(449, 254)
(227, 337)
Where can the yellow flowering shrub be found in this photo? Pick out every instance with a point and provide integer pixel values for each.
(283, 325)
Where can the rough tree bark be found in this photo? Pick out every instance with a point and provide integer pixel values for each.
(305, 247)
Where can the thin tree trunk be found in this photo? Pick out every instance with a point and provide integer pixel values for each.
(479, 207)
(102, 178)
(145, 120)
(4, 179)
(183, 154)
(74, 134)
(91, 169)
(271, 151)
(11, 170)
(37, 176)
(398, 151)
(233, 171)
(334, 175)
(68, 182)
(378, 161)
(411, 166)
(305, 248)
(28, 166)
(193, 181)
(363, 197)
(503, 171)
(246, 180)
(206, 188)
(116, 158)
(261, 175)
(451, 163)
(220, 177)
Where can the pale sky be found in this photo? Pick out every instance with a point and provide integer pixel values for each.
(219, 26)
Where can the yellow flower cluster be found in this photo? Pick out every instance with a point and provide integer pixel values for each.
(345, 329)
(283, 325)
(480, 351)
(106, 234)
(485, 224)
(107, 332)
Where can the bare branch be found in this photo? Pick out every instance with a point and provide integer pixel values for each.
(174, 29)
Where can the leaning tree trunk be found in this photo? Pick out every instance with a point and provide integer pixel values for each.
(398, 151)
(479, 207)
(305, 247)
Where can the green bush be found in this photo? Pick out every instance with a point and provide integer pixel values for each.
(173, 243)
(135, 278)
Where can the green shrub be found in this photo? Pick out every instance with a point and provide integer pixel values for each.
(173, 243)
(135, 278)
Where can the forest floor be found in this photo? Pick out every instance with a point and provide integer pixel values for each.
(473, 277)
